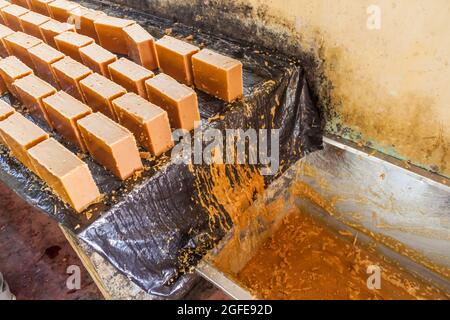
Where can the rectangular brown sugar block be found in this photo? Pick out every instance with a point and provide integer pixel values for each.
(148, 122)
(43, 56)
(70, 43)
(69, 73)
(177, 99)
(3, 4)
(67, 175)
(64, 111)
(99, 93)
(20, 134)
(110, 33)
(141, 46)
(41, 6)
(218, 75)
(130, 75)
(175, 58)
(22, 3)
(5, 111)
(12, 69)
(60, 9)
(97, 58)
(52, 28)
(18, 45)
(84, 19)
(111, 145)
(3, 87)
(31, 90)
(31, 23)
(4, 32)
(11, 15)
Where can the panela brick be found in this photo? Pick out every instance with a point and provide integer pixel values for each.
(177, 99)
(68, 176)
(31, 90)
(111, 35)
(69, 73)
(12, 69)
(141, 46)
(4, 32)
(148, 122)
(97, 58)
(31, 22)
(174, 58)
(64, 111)
(52, 28)
(99, 93)
(84, 18)
(3, 4)
(111, 145)
(60, 9)
(70, 43)
(41, 6)
(130, 75)
(43, 56)
(11, 15)
(18, 45)
(20, 134)
(218, 75)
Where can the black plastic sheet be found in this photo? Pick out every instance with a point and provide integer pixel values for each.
(146, 224)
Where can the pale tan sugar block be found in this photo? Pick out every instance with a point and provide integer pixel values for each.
(67, 175)
(31, 22)
(97, 58)
(141, 46)
(99, 92)
(111, 145)
(70, 43)
(130, 75)
(148, 122)
(69, 73)
(111, 35)
(31, 90)
(20, 134)
(64, 111)
(179, 100)
(18, 45)
(12, 69)
(43, 56)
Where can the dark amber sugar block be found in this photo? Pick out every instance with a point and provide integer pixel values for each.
(20, 134)
(99, 93)
(60, 9)
(70, 43)
(67, 175)
(43, 56)
(111, 35)
(31, 90)
(218, 75)
(69, 73)
(18, 45)
(52, 28)
(141, 46)
(97, 58)
(130, 75)
(175, 58)
(64, 111)
(177, 99)
(148, 122)
(111, 145)
(31, 23)
(12, 69)
(11, 15)
(4, 32)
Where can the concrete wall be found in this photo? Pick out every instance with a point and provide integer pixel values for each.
(388, 87)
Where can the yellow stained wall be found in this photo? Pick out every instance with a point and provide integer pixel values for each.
(393, 84)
